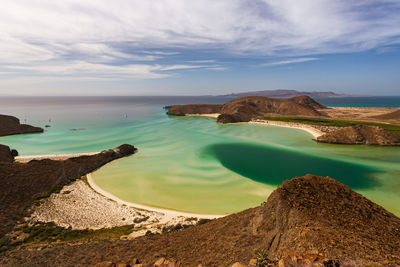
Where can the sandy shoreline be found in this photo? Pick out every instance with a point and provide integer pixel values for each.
(309, 129)
(25, 159)
(83, 205)
(210, 115)
(168, 214)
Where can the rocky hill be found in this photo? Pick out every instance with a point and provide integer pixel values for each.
(361, 134)
(10, 125)
(251, 107)
(307, 214)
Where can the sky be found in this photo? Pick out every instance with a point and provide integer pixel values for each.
(202, 47)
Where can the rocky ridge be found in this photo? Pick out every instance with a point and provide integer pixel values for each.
(10, 125)
(361, 135)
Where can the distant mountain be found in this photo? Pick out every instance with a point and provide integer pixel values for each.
(291, 93)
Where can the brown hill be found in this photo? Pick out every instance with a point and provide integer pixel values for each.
(250, 107)
(306, 214)
(361, 134)
(21, 184)
(182, 110)
(10, 125)
(307, 101)
(395, 116)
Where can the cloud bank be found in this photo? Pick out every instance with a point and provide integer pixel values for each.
(134, 39)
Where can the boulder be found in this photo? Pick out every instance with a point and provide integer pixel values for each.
(6, 155)
(163, 262)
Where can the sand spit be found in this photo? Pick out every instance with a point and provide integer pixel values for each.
(211, 115)
(25, 159)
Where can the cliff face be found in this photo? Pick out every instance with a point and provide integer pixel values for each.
(22, 183)
(10, 125)
(361, 134)
(307, 214)
(182, 110)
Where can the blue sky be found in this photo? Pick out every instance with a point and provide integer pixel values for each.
(180, 47)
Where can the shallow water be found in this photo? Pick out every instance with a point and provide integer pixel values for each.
(194, 164)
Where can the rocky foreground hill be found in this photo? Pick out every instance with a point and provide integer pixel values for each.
(10, 125)
(316, 220)
(251, 107)
(361, 135)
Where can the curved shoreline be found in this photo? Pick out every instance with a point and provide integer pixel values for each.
(168, 214)
(309, 129)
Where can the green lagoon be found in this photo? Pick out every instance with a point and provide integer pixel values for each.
(193, 164)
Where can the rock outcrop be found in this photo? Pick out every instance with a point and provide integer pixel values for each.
(361, 135)
(182, 110)
(10, 125)
(5, 154)
(310, 215)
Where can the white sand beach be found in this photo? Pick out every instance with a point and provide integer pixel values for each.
(310, 129)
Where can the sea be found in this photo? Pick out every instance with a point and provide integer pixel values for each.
(193, 164)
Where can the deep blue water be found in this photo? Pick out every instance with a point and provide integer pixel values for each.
(367, 102)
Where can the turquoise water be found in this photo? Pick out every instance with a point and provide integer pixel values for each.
(194, 164)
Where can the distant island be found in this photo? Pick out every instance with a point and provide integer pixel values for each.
(291, 93)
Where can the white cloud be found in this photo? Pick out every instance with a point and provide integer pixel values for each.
(290, 61)
(92, 37)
